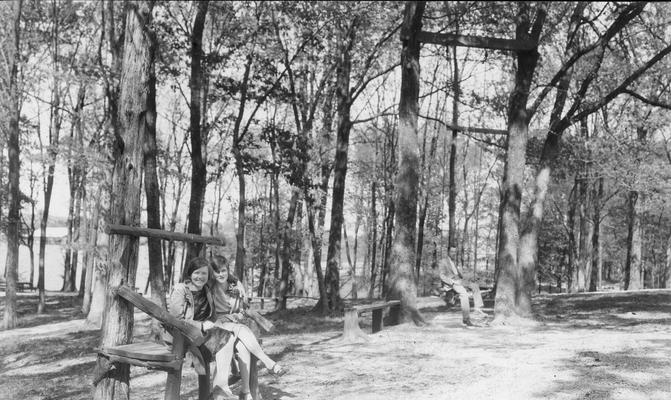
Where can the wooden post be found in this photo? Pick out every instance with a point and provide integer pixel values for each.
(254, 378)
(377, 319)
(204, 383)
(352, 330)
(174, 382)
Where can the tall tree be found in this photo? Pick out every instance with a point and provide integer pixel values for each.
(135, 113)
(54, 133)
(11, 108)
(355, 25)
(114, 37)
(593, 54)
(344, 104)
(198, 161)
(402, 280)
(515, 281)
(633, 278)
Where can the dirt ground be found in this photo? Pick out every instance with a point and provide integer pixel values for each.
(586, 346)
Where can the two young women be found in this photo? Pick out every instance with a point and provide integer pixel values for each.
(202, 302)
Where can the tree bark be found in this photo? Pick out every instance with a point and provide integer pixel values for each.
(402, 281)
(134, 113)
(12, 50)
(198, 162)
(516, 279)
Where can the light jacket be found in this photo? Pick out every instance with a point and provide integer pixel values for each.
(181, 304)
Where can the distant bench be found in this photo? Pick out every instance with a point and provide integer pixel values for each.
(352, 329)
(20, 286)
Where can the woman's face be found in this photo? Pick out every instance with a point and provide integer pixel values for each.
(222, 275)
(199, 277)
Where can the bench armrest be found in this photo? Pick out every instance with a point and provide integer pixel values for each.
(192, 333)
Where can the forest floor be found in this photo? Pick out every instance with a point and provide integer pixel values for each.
(583, 346)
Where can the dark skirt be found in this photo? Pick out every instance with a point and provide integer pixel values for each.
(215, 339)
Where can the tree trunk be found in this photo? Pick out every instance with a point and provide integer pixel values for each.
(135, 112)
(529, 240)
(387, 239)
(151, 186)
(76, 181)
(54, 132)
(516, 279)
(316, 254)
(242, 222)
(344, 103)
(12, 51)
(572, 283)
(317, 232)
(115, 41)
(90, 255)
(240, 171)
(286, 249)
(632, 268)
(373, 244)
(402, 281)
(585, 210)
(452, 199)
(597, 260)
(667, 266)
(68, 283)
(198, 162)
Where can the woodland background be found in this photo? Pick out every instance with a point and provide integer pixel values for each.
(277, 128)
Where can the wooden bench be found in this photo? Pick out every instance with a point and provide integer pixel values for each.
(20, 286)
(352, 330)
(158, 356)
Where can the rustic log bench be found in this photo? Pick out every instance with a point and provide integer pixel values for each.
(161, 357)
(353, 331)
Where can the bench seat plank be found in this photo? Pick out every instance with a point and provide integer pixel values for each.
(376, 306)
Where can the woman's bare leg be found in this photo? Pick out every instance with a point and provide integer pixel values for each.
(246, 336)
(223, 366)
(244, 361)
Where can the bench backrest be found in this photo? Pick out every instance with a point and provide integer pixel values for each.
(192, 333)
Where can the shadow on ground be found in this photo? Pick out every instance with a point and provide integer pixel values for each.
(615, 375)
(58, 307)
